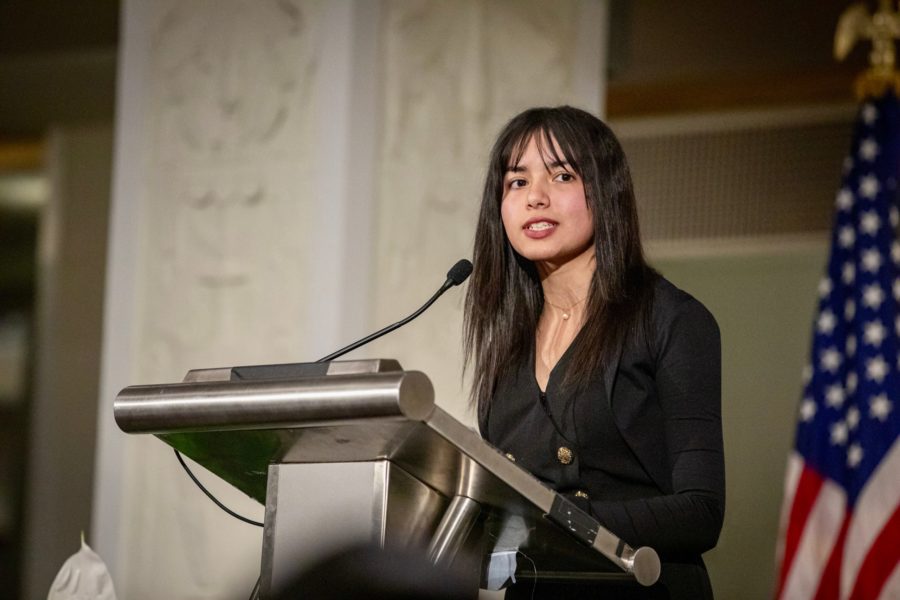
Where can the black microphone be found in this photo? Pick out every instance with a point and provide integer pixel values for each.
(455, 276)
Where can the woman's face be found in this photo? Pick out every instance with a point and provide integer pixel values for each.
(544, 210)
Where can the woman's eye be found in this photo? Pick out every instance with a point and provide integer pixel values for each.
(565, 177)
(515, 184)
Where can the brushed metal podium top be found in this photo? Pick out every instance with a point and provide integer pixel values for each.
(237, 421)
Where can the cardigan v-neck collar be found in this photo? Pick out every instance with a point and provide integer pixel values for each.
(559, 366)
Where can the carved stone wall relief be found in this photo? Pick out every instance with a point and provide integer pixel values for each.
(230, 158)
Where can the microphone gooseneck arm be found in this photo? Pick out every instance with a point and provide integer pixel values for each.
(455, 276)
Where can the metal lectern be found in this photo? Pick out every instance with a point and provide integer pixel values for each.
(357, 451)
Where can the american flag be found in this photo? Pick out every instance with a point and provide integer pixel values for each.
(840, 525)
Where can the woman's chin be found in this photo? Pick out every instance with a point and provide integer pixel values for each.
(554, 258)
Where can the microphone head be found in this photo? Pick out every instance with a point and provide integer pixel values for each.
(459, 272)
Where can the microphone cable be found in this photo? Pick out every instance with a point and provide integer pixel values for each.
(210, 495)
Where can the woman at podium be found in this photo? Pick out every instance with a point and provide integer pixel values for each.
(591, 370)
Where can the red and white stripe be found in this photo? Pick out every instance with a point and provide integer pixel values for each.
(826, 552)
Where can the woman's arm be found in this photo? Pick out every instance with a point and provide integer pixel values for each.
(688, 385)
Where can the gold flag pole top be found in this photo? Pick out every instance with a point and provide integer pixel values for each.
(882, 28)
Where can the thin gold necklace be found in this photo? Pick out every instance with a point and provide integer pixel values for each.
(566, 312)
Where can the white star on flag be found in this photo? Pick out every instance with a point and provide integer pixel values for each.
(868, 149)
(894, 214)
(895, 252)
(896, 289)
(869, 222)
(874, 333)
(848, 273)
(852, 417)
(839, 434)
(852, 380)
(850, 348)
(873, 296)
(825, 286)
(826, 322)
(869, 114)
(831, 360)
(854, 455)
(869, 187)
(834, 396)
(880, 407)
(846, 237)
(876, 369)
(871, 261)
(807, 410)
(849, 310)
(844, 199)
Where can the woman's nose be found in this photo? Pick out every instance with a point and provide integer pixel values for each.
(537, 195)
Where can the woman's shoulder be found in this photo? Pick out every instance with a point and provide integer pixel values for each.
(673, 306)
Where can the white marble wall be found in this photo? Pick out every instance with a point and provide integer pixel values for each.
(248, 211)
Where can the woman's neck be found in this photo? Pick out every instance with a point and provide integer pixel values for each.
(566, 287)
(567, 284)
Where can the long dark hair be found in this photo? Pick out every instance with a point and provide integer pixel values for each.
(505, 299)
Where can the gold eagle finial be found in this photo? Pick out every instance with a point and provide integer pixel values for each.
(882, 28)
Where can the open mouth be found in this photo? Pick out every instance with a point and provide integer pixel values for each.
(540, 225)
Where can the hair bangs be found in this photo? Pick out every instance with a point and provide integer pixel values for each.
(554, 149)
